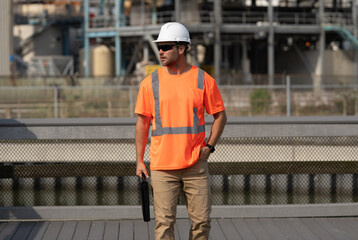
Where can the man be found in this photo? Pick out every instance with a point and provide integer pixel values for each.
(175, 97)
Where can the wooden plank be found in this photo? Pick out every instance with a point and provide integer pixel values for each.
(82, 230)
(141, 230)
(97, 230)
(244, 230)
(331, 229)
(317, 229)
(52, 231)
(272, 229)
(23, 231)
(151, 228)
(126, 230)
(38, 231)
(287, 229)
(304, 231)
(8, 232)
(111, 230)
(216, 233)
(258, 229)
(176, 232)
(229, 229)
(347, 224)
(342, 227)
(2, 226)
(183, 228)
(67, 230)
(352, 223)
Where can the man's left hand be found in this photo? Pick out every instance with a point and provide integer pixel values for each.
(204, 153)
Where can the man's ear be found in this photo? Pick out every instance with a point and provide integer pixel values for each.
(181, 49)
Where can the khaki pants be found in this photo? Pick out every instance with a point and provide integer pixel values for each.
(166, 188)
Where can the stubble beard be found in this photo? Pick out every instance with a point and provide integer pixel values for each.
(169, 60)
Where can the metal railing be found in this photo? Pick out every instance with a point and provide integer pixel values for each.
(338, 18)
(39, 13)
(119, 101)
(296, 18)
(233, 17)
(258, 161)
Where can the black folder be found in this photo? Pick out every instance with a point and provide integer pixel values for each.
(144, 189)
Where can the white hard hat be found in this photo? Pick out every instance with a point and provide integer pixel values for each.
(173, 32)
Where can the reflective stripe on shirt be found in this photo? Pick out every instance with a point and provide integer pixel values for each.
(159, 131)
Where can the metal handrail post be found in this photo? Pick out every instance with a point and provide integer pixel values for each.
(55, 102)
(131, 103)
(288, 96)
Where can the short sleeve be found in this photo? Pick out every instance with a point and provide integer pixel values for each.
(143, 105)
(212, 98)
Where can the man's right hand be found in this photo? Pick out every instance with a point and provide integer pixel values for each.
(141, 169)
(141, 137)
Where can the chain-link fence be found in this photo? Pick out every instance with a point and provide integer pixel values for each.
(244, 171)
(119, 101)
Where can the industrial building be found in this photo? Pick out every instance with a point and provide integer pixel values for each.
(235, 40)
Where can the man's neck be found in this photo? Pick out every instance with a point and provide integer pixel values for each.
(177, 69)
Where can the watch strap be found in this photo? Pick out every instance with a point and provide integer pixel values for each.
(211, 148)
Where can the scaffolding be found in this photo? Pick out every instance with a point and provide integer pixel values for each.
(241, 36)
(51, 66)
(214, 23)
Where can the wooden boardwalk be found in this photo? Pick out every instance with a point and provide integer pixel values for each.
(231, 229)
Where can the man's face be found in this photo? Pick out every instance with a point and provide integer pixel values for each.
(168, 53)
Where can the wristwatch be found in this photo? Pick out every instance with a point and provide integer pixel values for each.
(211, 148)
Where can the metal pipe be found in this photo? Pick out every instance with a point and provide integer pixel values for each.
(322, 45)
(55, 102)
(154, 12)
(101, 7)
(86, 38)
(217, 46)
(270, 45)
(118, 45)
(355, 33)
(177, 10)
(131, 101)
(288, 96)
(142, 12)
(118, 55)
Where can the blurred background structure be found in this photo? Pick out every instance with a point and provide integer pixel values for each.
(67, 59)
(279, 57)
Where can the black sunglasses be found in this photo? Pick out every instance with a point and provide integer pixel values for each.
(165, 47)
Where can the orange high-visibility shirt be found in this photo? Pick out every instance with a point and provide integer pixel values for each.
(176, 105)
